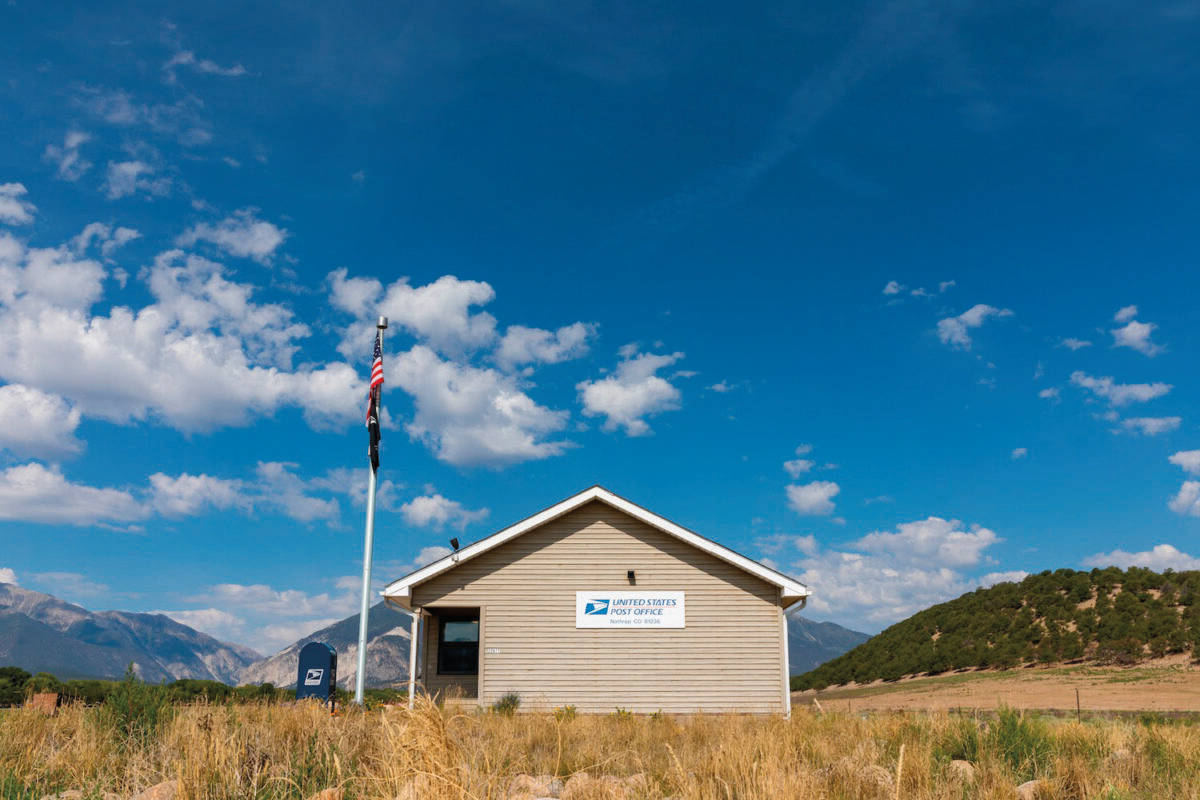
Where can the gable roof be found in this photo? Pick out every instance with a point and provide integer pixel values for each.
(400, 591)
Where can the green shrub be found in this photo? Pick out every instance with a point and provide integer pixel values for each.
(88, 692)
(564, 713)
(1023, 741)
(262, 693)
(135, 710)
(187, 690)
(508, 704)
(960, 742)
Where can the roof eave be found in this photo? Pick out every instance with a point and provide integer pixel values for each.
(401, 589)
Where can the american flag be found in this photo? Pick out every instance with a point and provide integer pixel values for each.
(373, 401)
(376, 370)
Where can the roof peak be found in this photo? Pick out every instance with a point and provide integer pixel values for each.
(400, 590)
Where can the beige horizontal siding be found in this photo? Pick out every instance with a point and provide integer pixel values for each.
(728, 658)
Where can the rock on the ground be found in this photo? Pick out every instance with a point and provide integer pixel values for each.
(332, 793)
(963, 771)
(876, 776)
(167, 790)
(418, 788)
(582, 786)
(537, 787)
(1033, 790)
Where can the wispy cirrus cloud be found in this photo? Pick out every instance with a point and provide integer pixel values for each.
(186, 59)
(70, 165)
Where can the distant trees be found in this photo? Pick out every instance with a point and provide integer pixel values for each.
(1110, 615)
(16, 685)
(12, 685)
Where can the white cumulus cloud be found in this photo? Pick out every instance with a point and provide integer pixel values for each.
(797, 467)
(634, 391)
(1187, 500)
(243, 235)
(1158, 558)
(107, 238)
(1125, 313)
(1119, 394)
(7, 575)
(34, 423)
(814, 498)
(432, 510)
(521, 345)
(887, 576)
(188, 495)
(1136, 336)
(14, 208)
(1019, 452)
(34, 492)
(1072, 343)
(202, 356)
(1187, 460)
(471, 416)
(954, 331)
(438, 314)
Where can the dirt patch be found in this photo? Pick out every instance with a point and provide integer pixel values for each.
(1165, 685)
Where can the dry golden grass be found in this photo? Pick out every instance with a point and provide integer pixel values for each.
(260, 751)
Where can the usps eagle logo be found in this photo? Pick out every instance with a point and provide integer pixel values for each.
(595, 608)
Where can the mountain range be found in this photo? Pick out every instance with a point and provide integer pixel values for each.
(40, 633)
(387, 651)
(811, 644)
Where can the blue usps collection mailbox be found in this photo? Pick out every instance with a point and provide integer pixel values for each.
(317, 676)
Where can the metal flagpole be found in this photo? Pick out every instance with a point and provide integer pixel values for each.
(360, 675)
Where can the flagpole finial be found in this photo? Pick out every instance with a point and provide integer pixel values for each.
(382, 323)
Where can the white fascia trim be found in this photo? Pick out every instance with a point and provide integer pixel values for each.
(401, 589)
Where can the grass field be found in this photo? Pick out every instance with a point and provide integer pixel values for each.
(1167, 686)
(266, 751)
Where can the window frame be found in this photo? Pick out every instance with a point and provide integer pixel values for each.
(462, 617)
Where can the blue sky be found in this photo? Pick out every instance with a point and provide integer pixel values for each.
(899, 296)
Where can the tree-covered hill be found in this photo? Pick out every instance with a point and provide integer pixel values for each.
(1106, 615)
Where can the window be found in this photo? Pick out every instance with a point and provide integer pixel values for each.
(458, 646)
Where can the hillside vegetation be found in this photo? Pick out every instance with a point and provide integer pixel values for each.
(1108, 616)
